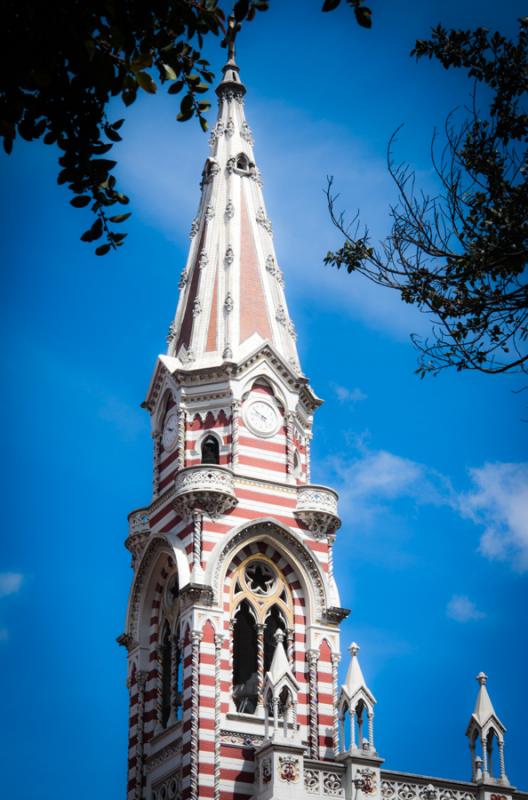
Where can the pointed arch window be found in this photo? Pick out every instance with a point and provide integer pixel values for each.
(243, 165)
(210, 450)
(166, 676)
(261, 603)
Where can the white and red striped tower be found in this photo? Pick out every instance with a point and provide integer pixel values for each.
(236, 544)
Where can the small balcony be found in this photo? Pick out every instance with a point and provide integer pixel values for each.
(317, 509)
(138, 533)
(206, 488)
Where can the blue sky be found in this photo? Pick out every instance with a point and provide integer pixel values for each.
(432, 557)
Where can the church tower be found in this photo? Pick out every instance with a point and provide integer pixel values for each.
(233, 619)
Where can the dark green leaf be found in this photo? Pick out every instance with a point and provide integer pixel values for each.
(363, 16)
(120, 217)
(102, 250)
(240, 10)
(81, 201)
(329, 5)
(146, 82)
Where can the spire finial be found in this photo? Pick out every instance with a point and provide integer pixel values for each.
(279, 636)
(482, 678)
(231, 33)
(354, 649)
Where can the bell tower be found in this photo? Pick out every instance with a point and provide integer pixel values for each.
(232, 627)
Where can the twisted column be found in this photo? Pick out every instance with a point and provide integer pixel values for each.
(313, 658)
(289, 645)
(289, 442)
(502, 769)
(156, 442)
(197, 540)
(330, 540)
(308, 446)
(181, 438)
(335, 732)
(196, 638)
(370, 718)
(484, 758)
(260, 664)
(159, 692)
(141, 680)
(235, 410)
(218, 698)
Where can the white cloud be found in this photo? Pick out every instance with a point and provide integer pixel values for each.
(462, 609)
(349, 395)
(10, 583)
(499, 502)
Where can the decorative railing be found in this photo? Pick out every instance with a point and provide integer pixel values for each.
(323, 782)
(207, 488)
(317, 509)
(138, 533)
(429, 789)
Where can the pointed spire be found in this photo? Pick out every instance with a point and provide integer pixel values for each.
(355, 683)
(484, 710)
(484, 727)
(232, 298)
(280, 666)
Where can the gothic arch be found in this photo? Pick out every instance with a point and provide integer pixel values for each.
(167, 395)
(145, 585)
(266, 379)
(288, 544)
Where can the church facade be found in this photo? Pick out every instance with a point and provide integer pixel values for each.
(232, 626)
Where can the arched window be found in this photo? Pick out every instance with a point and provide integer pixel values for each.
(261, 602)
(274, 620)
(245, 681)
(166, 672)
(243, 165)
(210, 450)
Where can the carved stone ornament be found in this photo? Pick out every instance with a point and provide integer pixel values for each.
(274, 270)
(228, 352)
(311, 780)
(171, 333)
(228, 303)
(209, 213)
(291, 330)
(230, 127)
(229, 210)
(245, 132)
(203, 259)
(231, 165)
(169, 789)
(289, 770)
(264, 221)
(368, 778)
(281, 316)
(207, 488)
(317, 509)
(216, 132)
(395, 790)
(266, 770)
(195, 227)
(138, 534)
(229, 256)
(184, 277)
(197, 308)
(332, 784)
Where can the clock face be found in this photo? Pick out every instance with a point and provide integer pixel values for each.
(262, 418)
(170, 431)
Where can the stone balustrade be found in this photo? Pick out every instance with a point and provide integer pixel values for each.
(138, 533)
(207, 488)
(317, 509)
